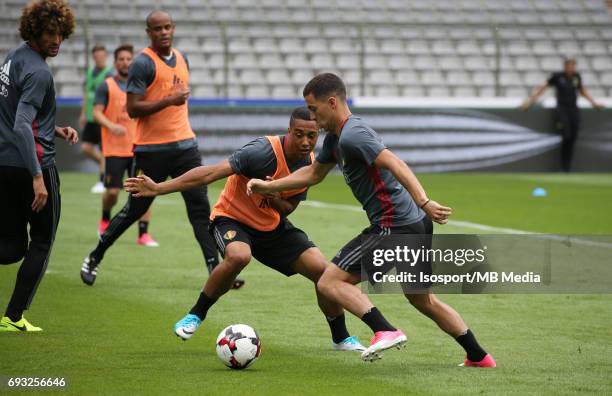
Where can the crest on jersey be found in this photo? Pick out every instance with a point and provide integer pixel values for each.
(229, 235)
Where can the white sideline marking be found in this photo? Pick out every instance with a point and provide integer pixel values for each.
(459, 223)
(476, 226)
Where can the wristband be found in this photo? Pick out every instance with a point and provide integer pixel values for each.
(426, 202)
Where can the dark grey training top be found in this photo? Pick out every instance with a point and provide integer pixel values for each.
(567, 88)
(384, 199)
(27, 111)
(142, 74)
(102, 92)
(256, 160)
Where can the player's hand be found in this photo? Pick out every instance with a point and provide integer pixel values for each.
(526, 104)
(67, 133)
(598, 106)
(180, 96)
(118, 129)
(437, 212)
(274, 195)
(258, 186)
(141, 186)
(40, 193)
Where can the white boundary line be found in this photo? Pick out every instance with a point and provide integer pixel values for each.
(476, 226)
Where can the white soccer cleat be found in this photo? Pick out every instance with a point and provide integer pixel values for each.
(98, 188)
(349, 344)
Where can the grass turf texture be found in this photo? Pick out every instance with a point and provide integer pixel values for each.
(116, 337)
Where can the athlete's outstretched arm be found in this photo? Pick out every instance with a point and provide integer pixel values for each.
(304, 177)
(144, 186)
(537, 92)
(402, 172)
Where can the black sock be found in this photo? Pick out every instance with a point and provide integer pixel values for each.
(106, 215)
(338, 328)
(143, 226)
(15, 316)
(101, 177)
(376, 321)
(200, 309)
(474, 351)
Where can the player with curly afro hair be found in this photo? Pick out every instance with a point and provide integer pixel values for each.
(30, 203)
(45, 24)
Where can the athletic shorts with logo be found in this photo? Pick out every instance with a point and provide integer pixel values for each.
(277, 249)
(349, 258)
(115, 168)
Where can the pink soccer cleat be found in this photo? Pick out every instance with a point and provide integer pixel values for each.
(487, 362)
(102, 226)
(382, 341)
(146, 240)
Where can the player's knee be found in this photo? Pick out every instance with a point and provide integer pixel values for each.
(13, 252)
(325, 284)
(113, 193)
(422, 302)
(237, 260)
(11, 257)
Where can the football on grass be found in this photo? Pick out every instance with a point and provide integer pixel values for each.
(238, 346)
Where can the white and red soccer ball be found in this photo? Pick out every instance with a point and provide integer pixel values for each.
(238, 346)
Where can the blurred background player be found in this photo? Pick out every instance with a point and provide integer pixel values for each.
(567, 84)
(117, 137)
(257, 226)
(165, 144)
(29, 183)
(90, 135)
(395, 203)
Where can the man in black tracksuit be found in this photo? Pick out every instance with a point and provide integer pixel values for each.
(567, 84)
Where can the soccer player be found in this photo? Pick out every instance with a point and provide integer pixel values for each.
(393, 199)
(91, 130)
(165, 145)
(29, 184)
(257, 226)
(118, 131)
(567, 84)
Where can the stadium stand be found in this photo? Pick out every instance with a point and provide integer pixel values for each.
(381, 48)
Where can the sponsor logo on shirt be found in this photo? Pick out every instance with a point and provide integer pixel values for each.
(4, 73)
(4, 78)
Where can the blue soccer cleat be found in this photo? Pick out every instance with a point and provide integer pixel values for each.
(185, 327)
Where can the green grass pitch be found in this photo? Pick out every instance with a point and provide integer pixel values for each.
(116, 337)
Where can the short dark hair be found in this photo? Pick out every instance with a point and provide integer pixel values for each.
(46, 15)
(567, 61)
(155, 12)
(124, 47)
(325, 85)
(98, 47)
(300, 113)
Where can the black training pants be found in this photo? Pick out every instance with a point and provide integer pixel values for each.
(567, 123)
(16, 196)
(159, 166)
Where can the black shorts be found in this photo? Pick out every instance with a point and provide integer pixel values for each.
(114, 170)
(349, 257)
(277, 249)
(91, 133)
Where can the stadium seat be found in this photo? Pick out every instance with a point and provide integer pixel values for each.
(419, 44)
